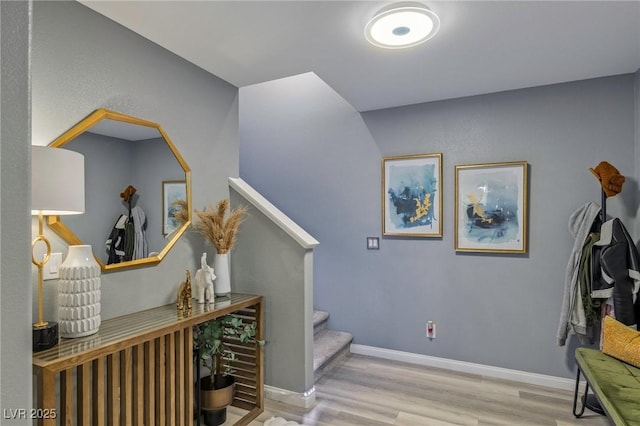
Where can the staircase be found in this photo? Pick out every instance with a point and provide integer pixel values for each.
(329, 347)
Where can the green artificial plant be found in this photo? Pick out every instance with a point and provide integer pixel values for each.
(211, 337)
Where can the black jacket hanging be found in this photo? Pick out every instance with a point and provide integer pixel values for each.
(117, 241)
(616, 271)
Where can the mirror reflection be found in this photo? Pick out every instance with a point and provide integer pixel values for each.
(133, 174)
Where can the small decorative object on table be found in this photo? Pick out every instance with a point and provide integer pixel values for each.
(184, 293)
(221, 232)
(204, 282)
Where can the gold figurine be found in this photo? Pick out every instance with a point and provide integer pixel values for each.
(184, 293)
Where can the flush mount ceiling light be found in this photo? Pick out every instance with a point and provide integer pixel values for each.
(402, 25)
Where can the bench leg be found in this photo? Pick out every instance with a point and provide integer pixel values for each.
(575, 395)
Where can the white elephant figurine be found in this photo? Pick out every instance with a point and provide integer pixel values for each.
(204, 282)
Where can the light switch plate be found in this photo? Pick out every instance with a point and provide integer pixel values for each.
(373, 243)
(52, 267)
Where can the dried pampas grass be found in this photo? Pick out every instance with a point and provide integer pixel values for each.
(181, 214)
(221, 231)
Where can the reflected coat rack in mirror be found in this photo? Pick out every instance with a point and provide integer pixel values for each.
(122, 151)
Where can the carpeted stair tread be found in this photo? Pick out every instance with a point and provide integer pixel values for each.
(329, 347)
(319, 322)
(319, 317)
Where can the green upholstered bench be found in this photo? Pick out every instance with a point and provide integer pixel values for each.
(615, 384)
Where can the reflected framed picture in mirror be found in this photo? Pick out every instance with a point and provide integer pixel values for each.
(172, 190)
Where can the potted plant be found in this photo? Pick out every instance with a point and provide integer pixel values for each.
(210, 342)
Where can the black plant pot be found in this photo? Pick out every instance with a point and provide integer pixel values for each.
(214, 417)
(214, 400)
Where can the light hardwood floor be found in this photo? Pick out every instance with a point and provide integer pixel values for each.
(369, 391)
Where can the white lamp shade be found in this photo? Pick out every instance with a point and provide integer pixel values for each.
(57, 181)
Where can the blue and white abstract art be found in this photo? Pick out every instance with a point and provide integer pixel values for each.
(491, 207)
(412, 195)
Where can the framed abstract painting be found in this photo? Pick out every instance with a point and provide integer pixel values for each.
(412, 195)
(172, 190)
(491, 207)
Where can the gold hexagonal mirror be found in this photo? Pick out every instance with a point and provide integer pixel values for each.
(133, 176)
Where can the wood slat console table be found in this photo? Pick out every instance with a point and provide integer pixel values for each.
(139, 370)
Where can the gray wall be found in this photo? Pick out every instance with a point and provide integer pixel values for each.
(316, 159)
(108, 171)
(15, 201)
(267, 261)
(83, 61)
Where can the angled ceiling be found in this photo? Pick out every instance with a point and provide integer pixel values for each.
(482, 46)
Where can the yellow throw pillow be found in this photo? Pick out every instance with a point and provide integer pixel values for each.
(620, 341)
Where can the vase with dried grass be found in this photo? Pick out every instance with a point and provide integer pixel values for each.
(221, 230)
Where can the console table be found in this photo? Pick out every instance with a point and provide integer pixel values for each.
(139, 369)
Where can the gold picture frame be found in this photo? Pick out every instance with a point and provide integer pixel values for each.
(412, 195)
(491, 207)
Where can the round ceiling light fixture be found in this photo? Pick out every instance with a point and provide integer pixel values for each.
(402, 25)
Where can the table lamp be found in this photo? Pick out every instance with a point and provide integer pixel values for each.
(57, 188)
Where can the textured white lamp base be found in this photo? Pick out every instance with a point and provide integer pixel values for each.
(79, 293)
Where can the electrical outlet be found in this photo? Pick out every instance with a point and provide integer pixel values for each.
(50, 270)
(431, 330)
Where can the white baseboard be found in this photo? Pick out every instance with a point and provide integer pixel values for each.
(304, 400)
(466, 367)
